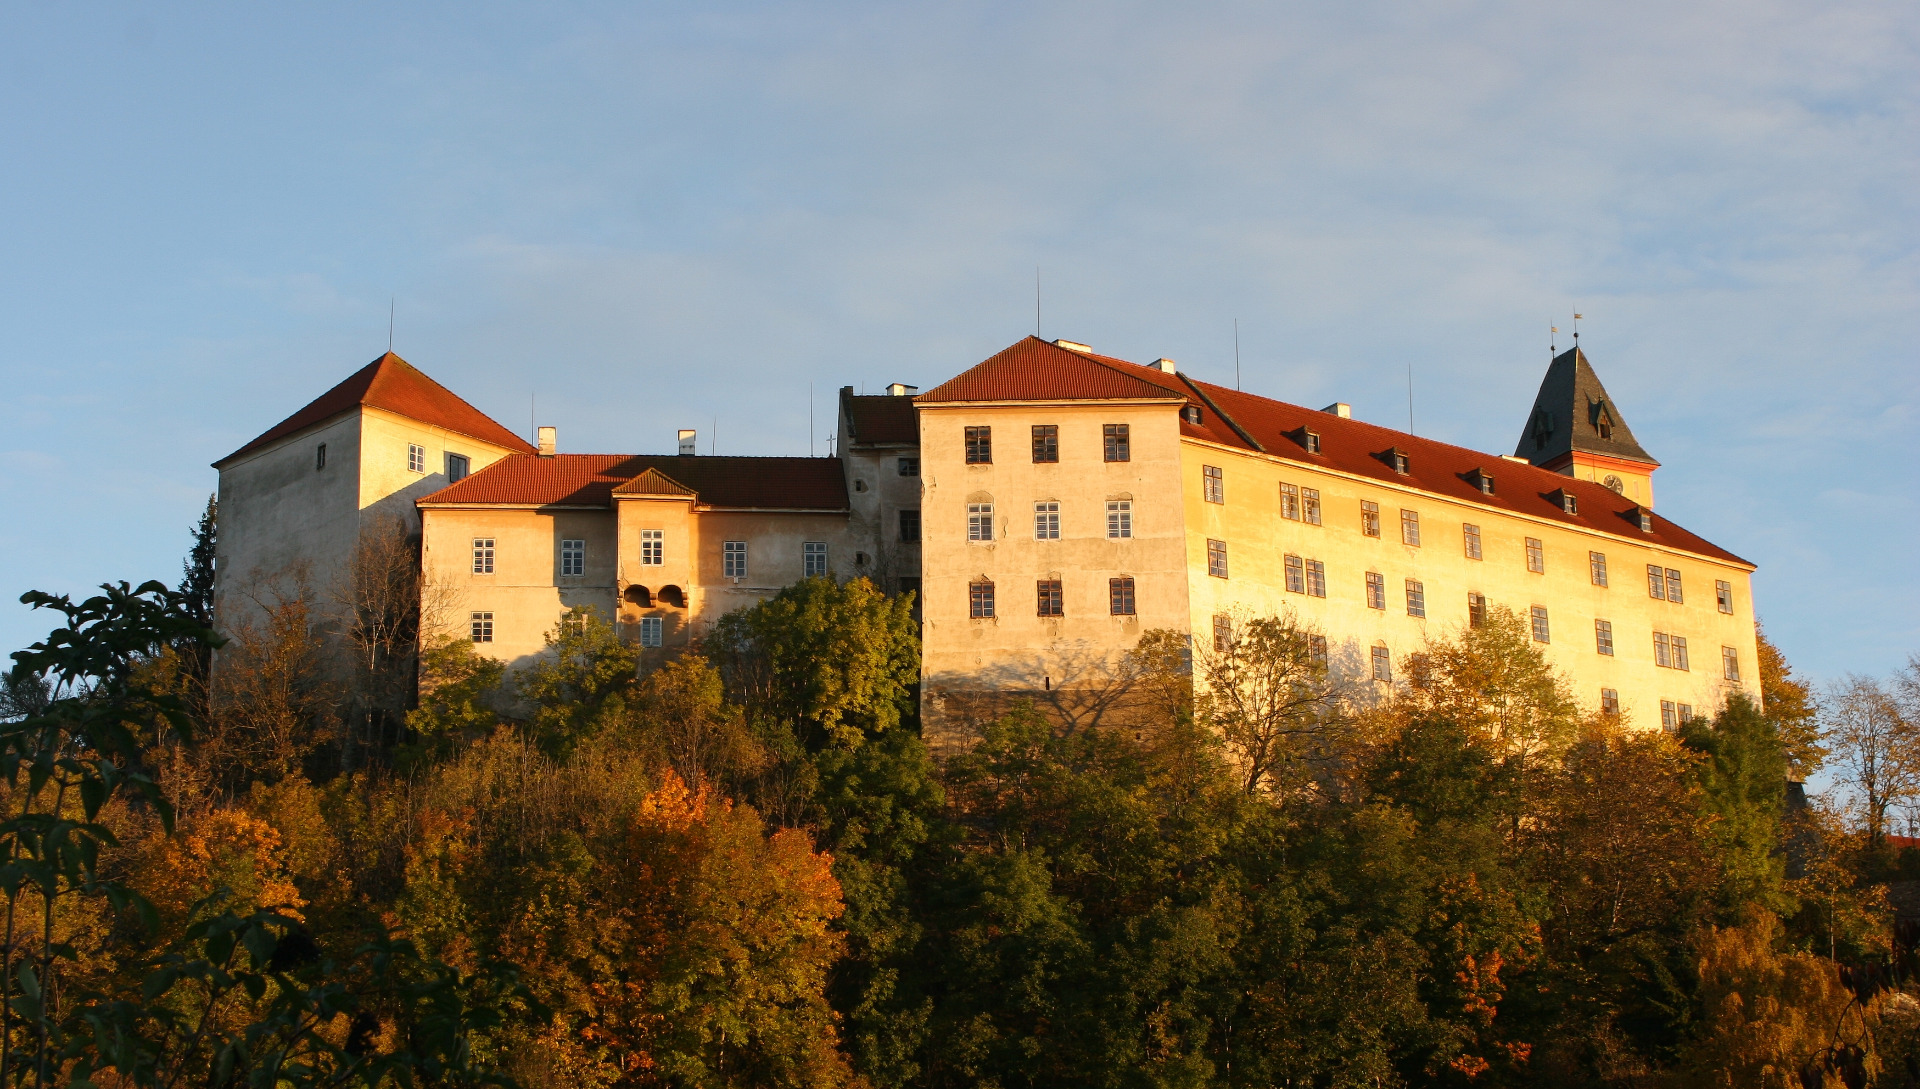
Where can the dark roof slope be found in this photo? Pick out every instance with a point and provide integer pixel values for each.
(592, 480)
(878, 419)
(1568, 413)
(396, 385)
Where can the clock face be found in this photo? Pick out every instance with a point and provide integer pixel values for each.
(1615, 483)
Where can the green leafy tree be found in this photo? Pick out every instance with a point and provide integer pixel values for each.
(1743, 782)
(1790, 704)
(1274, 705)
(583, 685)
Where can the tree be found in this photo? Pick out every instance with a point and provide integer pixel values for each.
(1875, 749)
(1495, 680)
(196, 587)
(1273, 704)
(1742, 780)
(377, 605)
(1790, 704)
(583, 685)
(272, 702)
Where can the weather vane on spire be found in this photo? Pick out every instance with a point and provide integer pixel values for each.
(1576, 329)
(1553, 346)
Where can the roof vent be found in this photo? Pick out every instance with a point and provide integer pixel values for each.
(549, 441)
(687, 442)
(901, 389)
(1074, 346)
(1340, 409)
(1166, 366)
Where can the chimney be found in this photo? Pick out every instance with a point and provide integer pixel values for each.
(901, 389)
(1340, 409)
(549, 439)
(1166, 366)
(687, 438)
(1074, 346)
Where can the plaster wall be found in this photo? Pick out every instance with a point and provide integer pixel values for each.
(967, 660)
(876, 494)
(774, 540)
(283, 520)
(525, 592)
(1258, 538)
(387, 485)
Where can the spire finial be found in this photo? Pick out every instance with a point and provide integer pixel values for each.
(1576, 328)
(1553, 346)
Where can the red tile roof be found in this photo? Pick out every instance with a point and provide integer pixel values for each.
(591, 480)
(875, 419)
(396, 385)
(1034, 370)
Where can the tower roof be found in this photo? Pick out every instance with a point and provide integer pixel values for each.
(393, 384)
(1573, 414)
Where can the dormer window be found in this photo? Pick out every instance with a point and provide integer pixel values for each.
(1309, 440)
(1482, 480)
(1566, 500)
(1401, 463)
(1643, 518)
(1191, 414)
(1602, 419)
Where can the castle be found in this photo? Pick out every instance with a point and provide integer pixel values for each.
(1049, 505)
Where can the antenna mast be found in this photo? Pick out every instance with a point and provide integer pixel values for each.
(1236, 353)
(1036, 302)
(391, 300)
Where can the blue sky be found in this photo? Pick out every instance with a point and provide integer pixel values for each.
(662, 216)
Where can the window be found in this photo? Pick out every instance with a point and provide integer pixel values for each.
(320, 457)
(1296, 575)
(1670, 650)
(813, 558)
(980, 600)
(1609, 702)
(1317, 650)
(979, 446)
(1191, 414)
(909, 525)
(1669, 716)
(1597, 568)
(1213, 483)
(979, 521)
(1482, 480)
(416, 458)
(1046, 521)
(1119, 518)
(1312, 442)
(1217, 558)
(573, 559)
(1730, 663)
(1476, 610)
(733, 559)
(652, 546)
(909, 466)
(1290, 502)
(1540, 633)
(1673, 586)
(1536, 556)
(1046, 443)
(1656, 581)
(1370, 518)
(1120, 596)
(1117, 442)
(1603, 637)
(1382, 664)
(1410, 528)
(1310, 506)
(1471, 533)
(1050, 597)
(457, 467)
(1376, 591)
(1723, 596)
(1316, 579)
(1645, 518)
(1684, 712)
(481, 627)
(1401, 463)
(650, 631)
(483, 555)
(1416, 598)
(1222, 633)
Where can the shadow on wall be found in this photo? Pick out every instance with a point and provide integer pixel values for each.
(400, 504)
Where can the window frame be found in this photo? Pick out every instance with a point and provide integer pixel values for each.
(1470, 537)
(1656, 582)
(1536, 556)
(907, 466)
(1316, 579)
(1416, 599)
(480, 626)
(416, 458)
(1674, 593)
(1382, 661)
(1476, 609)
(1610, 701)
(1116, 442)
(483, 555)
(1730, 664)
(573, 558)
(459, 467)
(653, 548)
(1119, 519)
(1597, 568)
(1310, 506)
(1120, 596)
(1046, 520)
(1369, 518)
(1222, 633)
(1213, 484)
(1050, 598)
(1540, 627)
(1603, 637)
(979, 444)
(909, 517)
(1289, 501)
(1216, 558)
(980, 599)
(980, 523)
(320, 457)
(1376, 590)
(1410, 527)
(733, 559)
(652, 631)
(1296, 573)
(813, 554)
(1046, 444)
(1723, 595)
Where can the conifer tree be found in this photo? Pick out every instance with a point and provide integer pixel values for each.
(196, 579)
